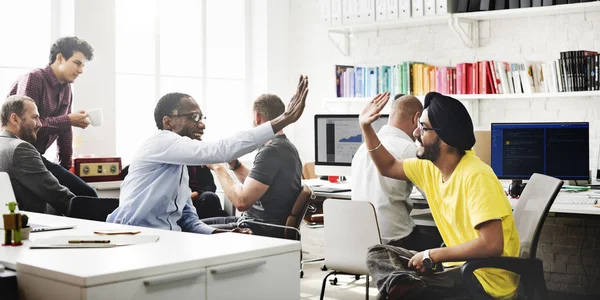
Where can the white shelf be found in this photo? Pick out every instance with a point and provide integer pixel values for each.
(486, 96)
(553, 10)
(399, 23)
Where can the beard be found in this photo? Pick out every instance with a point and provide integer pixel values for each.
(431, 153)
(28, 134)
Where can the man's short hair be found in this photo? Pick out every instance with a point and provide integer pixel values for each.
(13, 104)
(167, 106)
(68, 45)
(269, 106)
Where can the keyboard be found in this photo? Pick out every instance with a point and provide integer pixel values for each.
(576, 200)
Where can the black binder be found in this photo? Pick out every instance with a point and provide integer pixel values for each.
(486, 5)
(474, 5)
(500, 4)
(525, 3)
(463, 6)
(514, 4)
(547, 2)
(536, 3)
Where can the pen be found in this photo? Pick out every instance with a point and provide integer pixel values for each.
(89, 241)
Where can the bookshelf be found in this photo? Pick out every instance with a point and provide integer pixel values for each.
(465, 25)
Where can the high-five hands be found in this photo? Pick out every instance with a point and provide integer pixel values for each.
(371, 112)
(298, 102)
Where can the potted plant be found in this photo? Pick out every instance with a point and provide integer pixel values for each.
(25, 229)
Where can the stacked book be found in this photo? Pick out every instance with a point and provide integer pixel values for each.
(573, 71)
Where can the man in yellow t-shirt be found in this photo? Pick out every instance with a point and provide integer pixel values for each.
(467, 202)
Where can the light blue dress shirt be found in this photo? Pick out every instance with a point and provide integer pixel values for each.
(156, 191)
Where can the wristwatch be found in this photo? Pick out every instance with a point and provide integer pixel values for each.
(236, 166)
(427, 262)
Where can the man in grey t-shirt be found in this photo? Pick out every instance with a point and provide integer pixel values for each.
(267, 192)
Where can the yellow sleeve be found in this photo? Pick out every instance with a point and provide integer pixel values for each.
(487, 200)
(413, 168)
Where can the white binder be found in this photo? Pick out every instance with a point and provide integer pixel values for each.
(441, 7)
(336, 12)
(417, 8)
(326, 11)
(366, 11)
(380, 10)
(349, 12)
(429, 7)
(404, 8)
(392, 9)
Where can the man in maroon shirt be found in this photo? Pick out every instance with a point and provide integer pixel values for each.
(50, 88)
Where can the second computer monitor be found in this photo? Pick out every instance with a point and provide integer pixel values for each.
(337, 137)
(559, 150)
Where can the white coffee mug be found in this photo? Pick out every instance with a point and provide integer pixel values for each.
(95, 116)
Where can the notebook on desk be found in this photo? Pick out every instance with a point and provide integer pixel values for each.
(330, 189)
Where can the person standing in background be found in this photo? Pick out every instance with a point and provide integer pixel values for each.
(50, 88)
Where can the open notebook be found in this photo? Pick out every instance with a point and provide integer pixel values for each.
(93, 241)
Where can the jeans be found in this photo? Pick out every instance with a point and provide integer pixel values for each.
(419, 239)
(388, 266)
(75, 184)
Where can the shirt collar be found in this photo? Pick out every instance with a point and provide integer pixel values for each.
(9, 134)
(394, 131)
(50, 74)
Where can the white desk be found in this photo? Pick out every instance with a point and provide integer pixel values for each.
(179, 266)
(423, 217)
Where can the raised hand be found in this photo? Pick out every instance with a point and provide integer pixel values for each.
(371, 112)
(295, 108)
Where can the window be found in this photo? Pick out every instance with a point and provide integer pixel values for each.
(29, 39)
(195, 47)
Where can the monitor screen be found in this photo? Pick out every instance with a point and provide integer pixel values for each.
(337, 137)
(560, 150)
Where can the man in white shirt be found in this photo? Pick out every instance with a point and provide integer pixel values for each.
(156, 191)
(390, 196)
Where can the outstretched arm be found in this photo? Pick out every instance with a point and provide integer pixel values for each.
(387, 164)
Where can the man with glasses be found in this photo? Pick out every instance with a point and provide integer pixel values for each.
(467, 202)
(390, 196)
(156, 191)
(267, 192)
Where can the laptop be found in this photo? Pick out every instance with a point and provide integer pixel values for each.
(330, 189)
(8, 195)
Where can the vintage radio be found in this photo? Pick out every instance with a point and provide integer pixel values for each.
(94, 169)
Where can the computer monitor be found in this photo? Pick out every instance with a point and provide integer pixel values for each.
(560, 150)
(337, 137)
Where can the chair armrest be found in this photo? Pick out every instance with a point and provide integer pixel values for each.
(269, 225)
(530, 269)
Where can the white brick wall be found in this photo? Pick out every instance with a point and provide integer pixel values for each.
(536, 38)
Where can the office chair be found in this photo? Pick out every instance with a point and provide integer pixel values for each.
(533, 206)
(346, 253)
(294, 219)
(91, 208)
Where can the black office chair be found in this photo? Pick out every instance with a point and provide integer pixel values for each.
(91, 208)
(533, 206)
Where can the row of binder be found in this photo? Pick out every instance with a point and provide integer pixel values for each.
(350, 12)
(485, 5)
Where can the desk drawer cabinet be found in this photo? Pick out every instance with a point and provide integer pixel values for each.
(178, 285)
(274, 277)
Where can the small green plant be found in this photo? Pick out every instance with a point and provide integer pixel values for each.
(24, 220)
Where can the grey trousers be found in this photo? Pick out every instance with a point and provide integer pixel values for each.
(388, 266)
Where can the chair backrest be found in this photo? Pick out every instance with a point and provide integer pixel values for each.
(308, 171)
(532, 208)
(92, 208)
(298, 210)
(350, 229)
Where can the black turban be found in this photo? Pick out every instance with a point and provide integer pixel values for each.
(452, 120)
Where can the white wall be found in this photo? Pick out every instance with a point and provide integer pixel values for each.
(537, 39)
(95, 22)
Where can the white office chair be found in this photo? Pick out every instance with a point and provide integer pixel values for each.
(350, 229)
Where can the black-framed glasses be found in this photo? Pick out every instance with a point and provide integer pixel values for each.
(423, 129)
(196, 117)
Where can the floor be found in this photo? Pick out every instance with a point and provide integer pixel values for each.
(347, 287)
